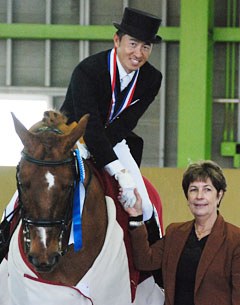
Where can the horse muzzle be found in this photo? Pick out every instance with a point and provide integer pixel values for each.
(45, 263)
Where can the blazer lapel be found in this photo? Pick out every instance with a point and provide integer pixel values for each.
(174, 251)
(214, 242)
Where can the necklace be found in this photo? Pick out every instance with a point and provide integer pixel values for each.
(201, 234)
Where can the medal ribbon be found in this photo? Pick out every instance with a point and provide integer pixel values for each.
(112, 67)
(77, 209)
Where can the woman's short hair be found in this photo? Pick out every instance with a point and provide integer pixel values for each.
(201, 171)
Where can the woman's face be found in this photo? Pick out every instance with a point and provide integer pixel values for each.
(132, 53)
(203, 198)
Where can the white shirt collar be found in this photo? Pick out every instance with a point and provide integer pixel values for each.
(122, 72)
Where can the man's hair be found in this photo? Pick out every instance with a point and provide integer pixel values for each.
(121, 34)
(201, 171)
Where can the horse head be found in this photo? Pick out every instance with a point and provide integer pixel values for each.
(46, 175)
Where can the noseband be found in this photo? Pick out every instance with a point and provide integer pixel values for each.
(64, 223)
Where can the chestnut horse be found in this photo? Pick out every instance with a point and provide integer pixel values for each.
(68, 247)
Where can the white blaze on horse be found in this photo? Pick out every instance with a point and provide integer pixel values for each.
(68, 247)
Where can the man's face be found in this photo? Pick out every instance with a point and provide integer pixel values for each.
(131, 52)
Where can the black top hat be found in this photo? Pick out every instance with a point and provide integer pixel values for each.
(140, 25)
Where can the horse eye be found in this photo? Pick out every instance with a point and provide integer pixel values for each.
(24, 185)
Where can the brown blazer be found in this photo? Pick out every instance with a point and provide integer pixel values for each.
(218, 273)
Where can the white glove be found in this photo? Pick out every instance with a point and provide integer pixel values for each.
(125, 181)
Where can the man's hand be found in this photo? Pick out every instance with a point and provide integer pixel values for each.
(127, 185)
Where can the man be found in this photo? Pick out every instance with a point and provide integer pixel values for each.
(97, 87)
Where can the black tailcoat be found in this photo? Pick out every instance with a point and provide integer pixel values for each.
(89, 91)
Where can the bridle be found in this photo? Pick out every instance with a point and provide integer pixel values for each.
(63, 223)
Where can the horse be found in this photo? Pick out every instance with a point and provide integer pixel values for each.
(68, 247)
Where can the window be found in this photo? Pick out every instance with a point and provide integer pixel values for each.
(28, 109)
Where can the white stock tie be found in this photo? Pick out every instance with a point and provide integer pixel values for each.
(125, 81)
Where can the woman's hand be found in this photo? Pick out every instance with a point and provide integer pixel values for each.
(136, 210)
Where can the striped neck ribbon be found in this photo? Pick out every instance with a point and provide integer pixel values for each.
(126, 102)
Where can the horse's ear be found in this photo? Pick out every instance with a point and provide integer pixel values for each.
(25, 136)
(76, 133)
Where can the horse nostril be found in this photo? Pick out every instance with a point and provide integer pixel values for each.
(33, 260)
(54, 259)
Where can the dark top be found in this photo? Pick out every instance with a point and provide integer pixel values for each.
(187, 269)
(90, 92)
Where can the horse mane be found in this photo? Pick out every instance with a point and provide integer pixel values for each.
(54, 119)
(51, 119)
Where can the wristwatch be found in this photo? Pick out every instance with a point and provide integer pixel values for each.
(136, 221)
(133, 223)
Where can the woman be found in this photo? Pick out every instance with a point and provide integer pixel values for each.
(200, 259)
